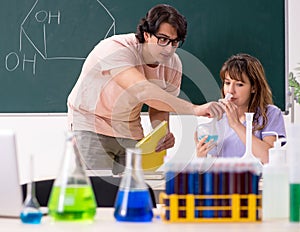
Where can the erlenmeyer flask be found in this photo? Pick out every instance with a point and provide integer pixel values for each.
(72, 197)
(208, 129)
(133, 202)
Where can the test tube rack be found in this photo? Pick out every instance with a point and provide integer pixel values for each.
(191, 208)
(212, 190)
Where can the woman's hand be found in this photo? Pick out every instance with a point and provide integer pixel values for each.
(231, 111)
(166, 142)
(203, 147)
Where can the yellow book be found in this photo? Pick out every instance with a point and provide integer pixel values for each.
(152, 160)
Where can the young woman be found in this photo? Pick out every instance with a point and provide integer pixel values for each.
(244, 78)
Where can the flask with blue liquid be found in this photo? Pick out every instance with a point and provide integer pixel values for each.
(214, 130)
(31, 213)
(133, 202)
(208, 129)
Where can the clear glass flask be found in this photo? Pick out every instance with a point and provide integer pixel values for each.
(72, 197)
(208, 129)
(133, 202)
(31, 213)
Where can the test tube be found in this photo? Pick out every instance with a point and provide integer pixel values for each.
(224, 186)
(198, 186)
(170, 175)
(244, 183)
(208, 180)
(216, 184)
(254, 176)
(181, 188)
(190, 178)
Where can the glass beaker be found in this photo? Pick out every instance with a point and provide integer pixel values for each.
(72, 197)
(133, 202)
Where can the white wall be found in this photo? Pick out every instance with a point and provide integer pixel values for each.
(43, 135)
(294, 46)
(294, 34)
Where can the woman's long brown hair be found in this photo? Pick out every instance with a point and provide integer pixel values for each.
(238, 64)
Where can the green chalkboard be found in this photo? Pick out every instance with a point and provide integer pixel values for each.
(43, 44)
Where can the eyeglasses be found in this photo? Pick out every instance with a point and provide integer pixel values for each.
(164, 41)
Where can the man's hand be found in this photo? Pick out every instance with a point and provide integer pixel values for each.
(210, 109)
(166, 142)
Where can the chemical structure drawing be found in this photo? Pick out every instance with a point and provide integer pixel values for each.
(58, 32)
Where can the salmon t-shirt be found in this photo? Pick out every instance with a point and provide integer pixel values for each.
(98, 104)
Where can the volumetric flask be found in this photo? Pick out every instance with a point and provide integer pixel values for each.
(133, 202)
(72, 197)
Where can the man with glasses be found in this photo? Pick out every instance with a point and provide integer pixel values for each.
(121, 74)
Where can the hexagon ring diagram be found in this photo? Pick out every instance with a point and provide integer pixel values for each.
(66, 29)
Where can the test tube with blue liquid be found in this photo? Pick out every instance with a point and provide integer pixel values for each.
(170, 175)
(208, 187)
(198, 188)
(31, 213)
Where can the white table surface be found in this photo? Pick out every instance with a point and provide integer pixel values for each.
(105, 222)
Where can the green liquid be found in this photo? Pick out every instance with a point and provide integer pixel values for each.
(294, 202)
(78, 203)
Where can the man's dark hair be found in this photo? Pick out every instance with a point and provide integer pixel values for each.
(159, 14)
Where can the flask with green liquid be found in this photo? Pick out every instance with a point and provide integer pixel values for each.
(72, 197)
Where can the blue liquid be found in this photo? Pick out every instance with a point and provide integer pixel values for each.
(197, 192)
(31, 217)
(138, 207)
(170, 189)
(208, 190)
(170, 182)
(213, 138)
(191, 183)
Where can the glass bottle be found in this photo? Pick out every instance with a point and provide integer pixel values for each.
(133, 202)
(31, 213)
(72, 197)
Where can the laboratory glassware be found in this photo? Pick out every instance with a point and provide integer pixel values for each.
(72, 197)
